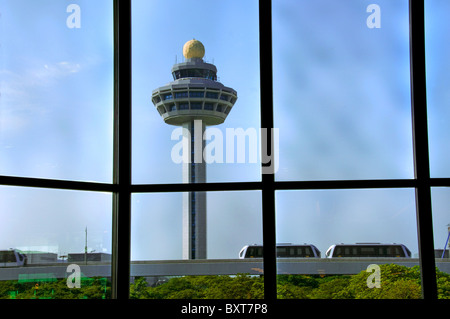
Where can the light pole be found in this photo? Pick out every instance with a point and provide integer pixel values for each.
(445, 246)
(85, 247)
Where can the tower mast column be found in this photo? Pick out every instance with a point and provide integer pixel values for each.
(194, 203)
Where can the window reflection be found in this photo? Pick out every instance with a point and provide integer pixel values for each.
(440, 197)
(353, 229)
(45, 235)
(56, 85)
(232, 62)
(341, 91)
(437, 49)
(158, 241)
(233, 221)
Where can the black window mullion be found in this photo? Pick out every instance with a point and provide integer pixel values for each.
(443, 182)
(421, 152)
(121, 238)
(268, 184)
(56, 184)
(122, 153)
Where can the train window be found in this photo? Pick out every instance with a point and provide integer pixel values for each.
(367, 251)
(281, 252)
(257, 252)
(7, 257)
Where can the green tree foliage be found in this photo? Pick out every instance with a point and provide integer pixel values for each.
(202, 287)
(397, 282)
(443, 284)
(91, 288)
(328, 289)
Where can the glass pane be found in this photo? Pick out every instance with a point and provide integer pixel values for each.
(161, 246)
(362, 236)
(218, 85)
(54, 244)
(441, 225)
(342, 89)
(56, 85)
(437, 28)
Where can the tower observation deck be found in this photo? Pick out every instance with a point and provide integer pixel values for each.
(194, 100)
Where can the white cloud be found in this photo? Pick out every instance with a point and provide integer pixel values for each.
(20, 91)
(50, 72)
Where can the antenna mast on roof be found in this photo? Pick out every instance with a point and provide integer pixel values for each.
(85, 248)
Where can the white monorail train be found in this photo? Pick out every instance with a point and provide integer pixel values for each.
(12, 258)
(373, 250)
(370, 250)
(283, 251)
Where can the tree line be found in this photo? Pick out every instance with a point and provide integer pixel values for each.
(397, 282)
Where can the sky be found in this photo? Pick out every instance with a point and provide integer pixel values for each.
(341, 104)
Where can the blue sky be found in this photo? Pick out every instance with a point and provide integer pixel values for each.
(341, 103)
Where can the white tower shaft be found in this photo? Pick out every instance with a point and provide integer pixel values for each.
(194, 203)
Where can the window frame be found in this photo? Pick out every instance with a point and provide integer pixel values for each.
(122, 187)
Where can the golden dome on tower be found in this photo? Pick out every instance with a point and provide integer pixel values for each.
(193, 49)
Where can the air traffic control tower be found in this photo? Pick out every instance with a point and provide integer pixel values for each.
(194, 100)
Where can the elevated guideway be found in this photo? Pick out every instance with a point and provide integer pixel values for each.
(309, 266)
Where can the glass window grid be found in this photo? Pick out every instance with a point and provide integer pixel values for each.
(122, 187)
